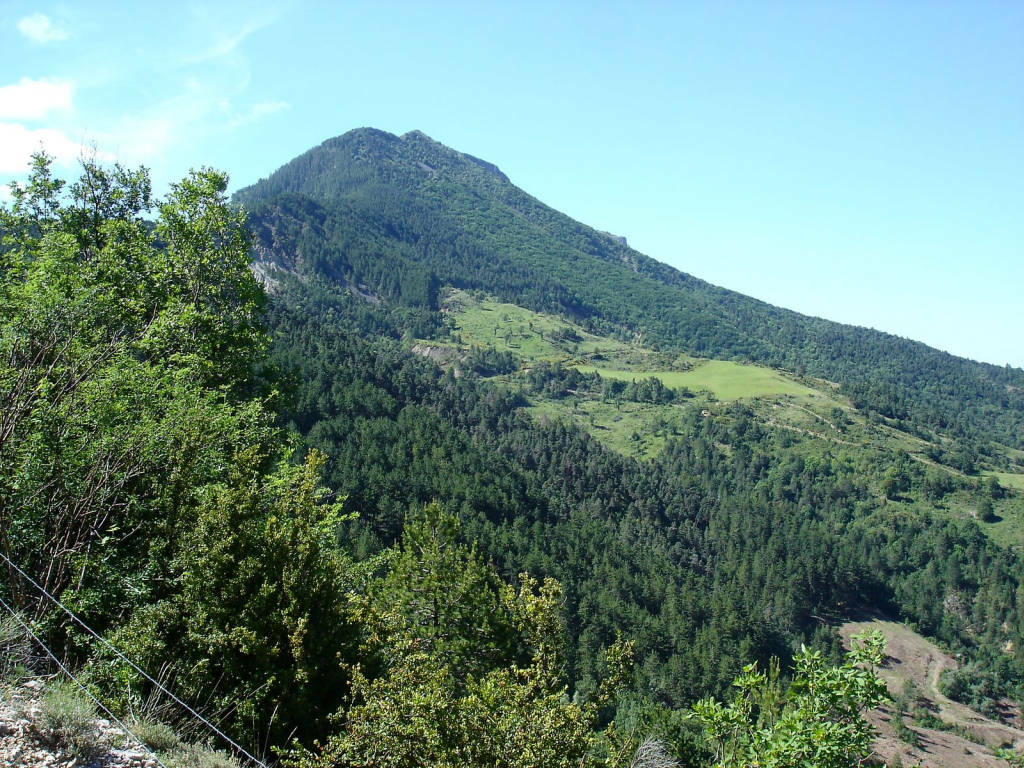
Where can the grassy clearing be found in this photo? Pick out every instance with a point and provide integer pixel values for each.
(639, 430)
(724, 379)
(529, 335)
(1009, 480)
(535, 337)
(634, 429)
(1008, 528)
(807, 409)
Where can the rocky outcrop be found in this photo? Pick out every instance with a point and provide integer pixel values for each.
(27, 740)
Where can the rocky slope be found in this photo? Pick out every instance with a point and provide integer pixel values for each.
(31, 736)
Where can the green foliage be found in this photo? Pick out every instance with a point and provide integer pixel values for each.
(447, 603)
(1013, 758)
(114, 364)
(211, 316)
(927, 719)
(16, 649)
(261, 619)
(157, 736)
(982, 681)
(198, 756)
(725, 379)
(818, 721)
(142, 478)
(449, 695)
(725, 546)
(734, 535)
(415, 716)
(146, 479)
(903, 732)
(986, 512)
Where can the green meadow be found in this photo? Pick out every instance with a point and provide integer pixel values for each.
(530, 336)
(724, 379)
(635, 429)
(642, 429)
(1009, 479)
(535, 337)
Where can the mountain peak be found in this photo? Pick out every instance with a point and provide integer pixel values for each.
(364, 154)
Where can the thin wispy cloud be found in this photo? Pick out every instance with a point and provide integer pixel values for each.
(148, 135)
(199, 109)
(203, 94)
(30, 99)
(40, 29)
(257, 112)
(228, 43)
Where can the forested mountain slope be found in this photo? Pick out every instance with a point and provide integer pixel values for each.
(741, 536)
(733, 525)
(374, 516)
(402, 216)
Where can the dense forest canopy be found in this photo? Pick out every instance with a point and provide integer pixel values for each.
(350, 554)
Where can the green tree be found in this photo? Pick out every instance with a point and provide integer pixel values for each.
(819, 721)
(445, 601)
(986, 511)
(263, 620)
(113, 341)
(141, 479)
(1012, 758)
(433, 705)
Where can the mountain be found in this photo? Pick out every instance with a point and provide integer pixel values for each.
(404, 215)
(469, 504)
(713, 477)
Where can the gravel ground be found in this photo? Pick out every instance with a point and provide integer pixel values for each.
(22, 745)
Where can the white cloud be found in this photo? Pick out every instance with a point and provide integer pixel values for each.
(32, 99)
(17, 143)
(39, 28)
(189, 102)
(258, 112)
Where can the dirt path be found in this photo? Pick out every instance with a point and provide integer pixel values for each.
(809, 432)
(910, 657)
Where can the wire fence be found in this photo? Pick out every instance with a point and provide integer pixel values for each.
(160, 686)
(67, 672)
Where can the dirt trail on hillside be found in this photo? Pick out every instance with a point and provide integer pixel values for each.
(911, 657)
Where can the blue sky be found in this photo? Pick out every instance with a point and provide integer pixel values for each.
(857, 161)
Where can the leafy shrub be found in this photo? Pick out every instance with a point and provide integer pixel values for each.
(818, 721)
(903, 733)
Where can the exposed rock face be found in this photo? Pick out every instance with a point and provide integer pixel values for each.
(440, 355)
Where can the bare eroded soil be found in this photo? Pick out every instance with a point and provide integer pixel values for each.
(912, 657)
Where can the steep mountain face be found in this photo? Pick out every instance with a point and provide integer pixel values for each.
(404, 215)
